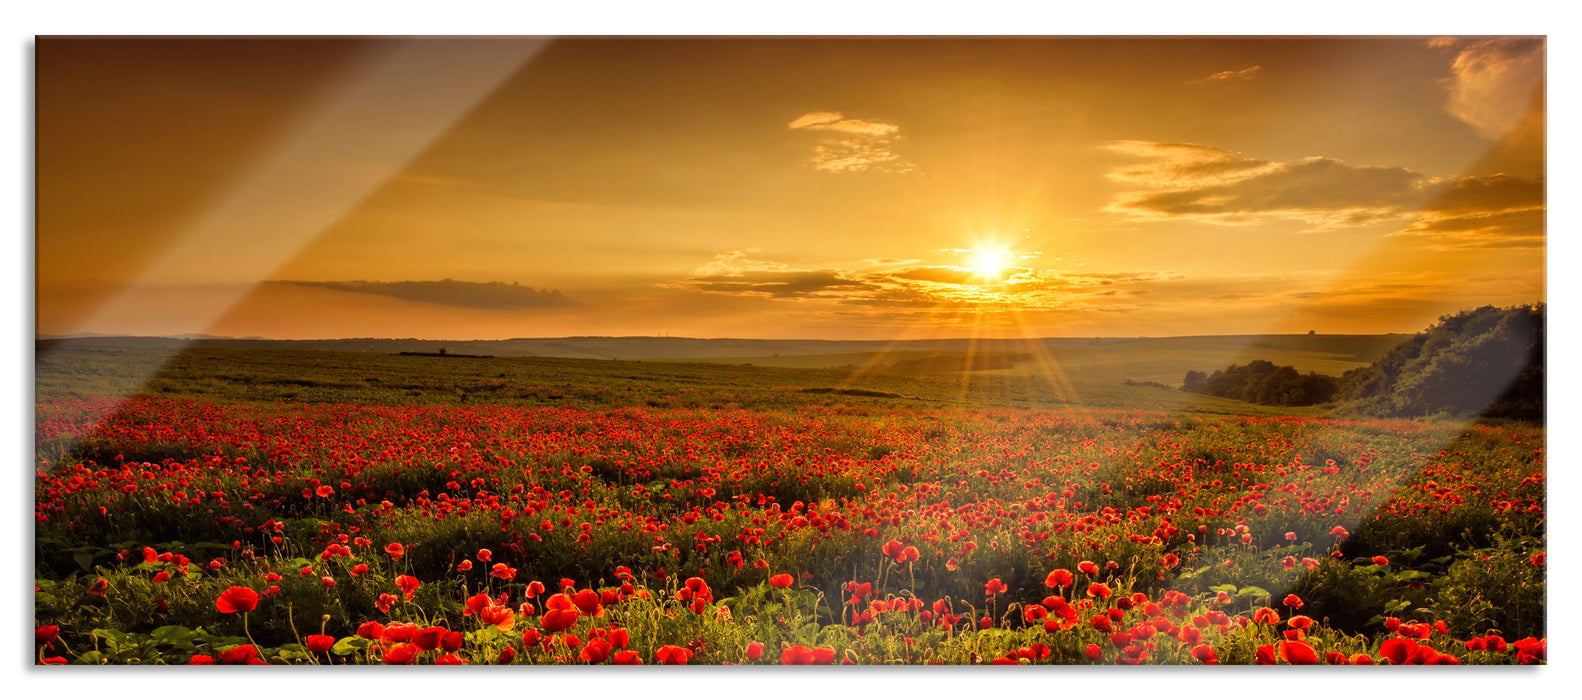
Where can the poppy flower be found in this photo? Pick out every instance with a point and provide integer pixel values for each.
(588, 602)
(1381, 561)
(1099, 590)
(371, 629)
(892, 549)
(200, 660)
(1094, 653)
(1265, 656)
(1059, 578)
(400, 655)
(1293, 602)
(781, 580)
(1088, 568)
(533, 589)
(1205, 654)
(395, 550)
(1298, 653)
(595, 651)
(428, 638)
(465, 565)
(1360, 659)
(994, 586)
(99, 587)
(236, 599)
(670, 655)
(1300, 622)
(507, 655)
(558, 620)
(796, 655)
(319, 643)
(1397, 649)
(46, 635)
(755, 651)
(451, 660)
(628, 658)
(484, 555)
(1266, 616)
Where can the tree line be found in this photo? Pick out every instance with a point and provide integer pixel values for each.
(1488, 361)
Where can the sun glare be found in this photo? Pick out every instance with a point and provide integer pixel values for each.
(990, 264)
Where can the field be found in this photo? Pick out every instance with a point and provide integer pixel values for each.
(244, 506)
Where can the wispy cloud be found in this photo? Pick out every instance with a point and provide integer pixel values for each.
(1191, 182)
(853, 145)
(885, 284)
(1493, 81)
(1231, 75)
(448, 292)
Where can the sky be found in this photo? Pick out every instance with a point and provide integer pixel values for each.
(785, 188)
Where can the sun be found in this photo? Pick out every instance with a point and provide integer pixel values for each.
(990, 264)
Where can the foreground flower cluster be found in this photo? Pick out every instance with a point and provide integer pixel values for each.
(184, 532)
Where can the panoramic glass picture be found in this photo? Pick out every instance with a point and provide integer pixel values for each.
(790, 351)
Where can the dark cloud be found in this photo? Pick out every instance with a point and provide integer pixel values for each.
(791, 284)
(448, 292)
(1186, 181)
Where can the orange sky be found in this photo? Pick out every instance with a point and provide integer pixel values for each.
(833, 188)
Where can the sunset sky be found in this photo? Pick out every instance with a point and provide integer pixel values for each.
(785, 188)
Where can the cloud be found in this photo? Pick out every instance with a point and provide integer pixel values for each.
(1493, 81)
(1231, 75)
(448, 292)
(1191, 182)
(941, 288)
(853, 145)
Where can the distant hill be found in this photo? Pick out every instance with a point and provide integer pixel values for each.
(1091, 360)
(1488, 361)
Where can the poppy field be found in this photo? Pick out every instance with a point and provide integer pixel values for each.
(200, 528)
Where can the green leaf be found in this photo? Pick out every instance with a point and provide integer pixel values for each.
(91, 657)
(1253, 592)
(84, 560)
(1224, 588)
(346, 646)
(174, 635)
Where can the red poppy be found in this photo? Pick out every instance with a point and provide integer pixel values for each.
(1300, 622)
(46, 635)
(796, 655)
(1205, 654)
(1094, 653)
(201, 660)
(533, 589)
(628, 658)
(1298, 653)
(1088, 568)
(319, 643)
(1099, 590)
(245, 655)
(1381, 561)
(428, 638)
(781, 580)
(1361, 660)
(892, 549)
(395, 550)
(670, 655)
(559, 620)
(994, 586)
(595, 651)
(1265, 655)
(99, 587)
(1293, 602)
(401, 655)
(506, 655)
(371, 629)
(1059, 578)
(237, 599)
(588, 602)
(1266, 616)
(451, 660)
(1397, 649)
(484, 555)
(755, 651)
